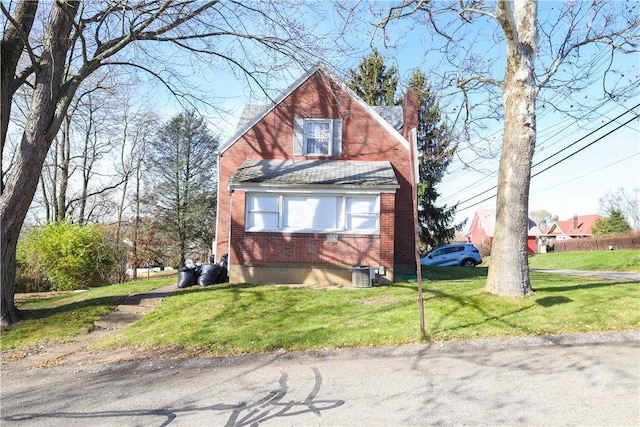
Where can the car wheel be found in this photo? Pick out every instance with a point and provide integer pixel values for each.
(468, 263)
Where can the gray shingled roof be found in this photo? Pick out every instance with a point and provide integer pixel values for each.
(310, 173)
(392, 114)
(249, 113)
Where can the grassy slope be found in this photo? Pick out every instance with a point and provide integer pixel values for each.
(243, 319)
(226, 319)
(54, 317)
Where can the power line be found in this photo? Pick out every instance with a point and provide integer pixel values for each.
(539, 145)
(588, 173)
(559, 161)
(591, 133)
(586, 146)
(459, 170)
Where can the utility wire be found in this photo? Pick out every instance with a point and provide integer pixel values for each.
(539, 146)
(591, 133)
(586, 146)
(588, 173)
(563, 149)
(550, 166)
(492, 174)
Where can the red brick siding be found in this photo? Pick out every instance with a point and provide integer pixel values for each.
(310, 248)
(362, 139)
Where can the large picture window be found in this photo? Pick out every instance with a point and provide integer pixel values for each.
(306, 213)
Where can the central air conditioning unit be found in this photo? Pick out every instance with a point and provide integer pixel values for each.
(362, 276)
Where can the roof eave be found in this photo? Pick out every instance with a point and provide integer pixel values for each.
(385, 188)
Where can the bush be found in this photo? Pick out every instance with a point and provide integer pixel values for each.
(68, 256)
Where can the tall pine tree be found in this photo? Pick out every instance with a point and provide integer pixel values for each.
(373, 82)
(377, 85)
(436, 149)
(181, 164)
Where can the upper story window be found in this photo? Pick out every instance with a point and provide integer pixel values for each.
(317, 137)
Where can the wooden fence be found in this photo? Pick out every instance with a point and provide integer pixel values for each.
(601, 243)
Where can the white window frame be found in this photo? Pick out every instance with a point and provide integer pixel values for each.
(343, 215)
(251, 211)
(307, 138)
(301, 144)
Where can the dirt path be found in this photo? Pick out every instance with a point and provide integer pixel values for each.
(77, 350)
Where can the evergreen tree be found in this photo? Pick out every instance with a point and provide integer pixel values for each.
(616, 223)
(373, 82)
(377, 85)
(436, 149)
(181, 164)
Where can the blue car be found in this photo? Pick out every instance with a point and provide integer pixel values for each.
(455, 254)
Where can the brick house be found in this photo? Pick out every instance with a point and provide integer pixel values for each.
(317, 183)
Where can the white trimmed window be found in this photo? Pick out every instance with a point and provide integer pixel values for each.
(362, 213)
(317, 137)
(263, 212)
(307, 213)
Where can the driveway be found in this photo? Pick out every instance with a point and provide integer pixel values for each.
(607, 275)
(586, 379)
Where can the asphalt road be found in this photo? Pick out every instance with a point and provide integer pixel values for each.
(587, 379)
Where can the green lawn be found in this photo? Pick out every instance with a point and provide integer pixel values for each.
(57, 316)
(626, 260)
(233, 319)
(244, 319)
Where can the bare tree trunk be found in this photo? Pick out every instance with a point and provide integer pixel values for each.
(509, 270)
(38, 134)
(88, 158)
(45, 199)
(12, 47)
(62, 168)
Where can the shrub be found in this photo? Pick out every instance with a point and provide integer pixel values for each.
(69, 256)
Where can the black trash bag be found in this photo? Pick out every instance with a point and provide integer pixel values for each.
(187, 277)
(224, 262)
(210, 274)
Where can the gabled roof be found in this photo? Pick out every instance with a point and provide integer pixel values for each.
(487, 222)
(315, 174)
(261, 110)
(579, 225)
(392, 114)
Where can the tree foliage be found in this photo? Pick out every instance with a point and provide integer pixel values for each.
(69, 256)
(627, 202)
(182, 162)
(374, 82)
(436, 149)
(377, 85)
(542, 218)
(615, 223)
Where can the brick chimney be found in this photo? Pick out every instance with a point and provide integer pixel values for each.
(409, 112)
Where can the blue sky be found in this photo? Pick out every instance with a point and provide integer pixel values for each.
(571, 187)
